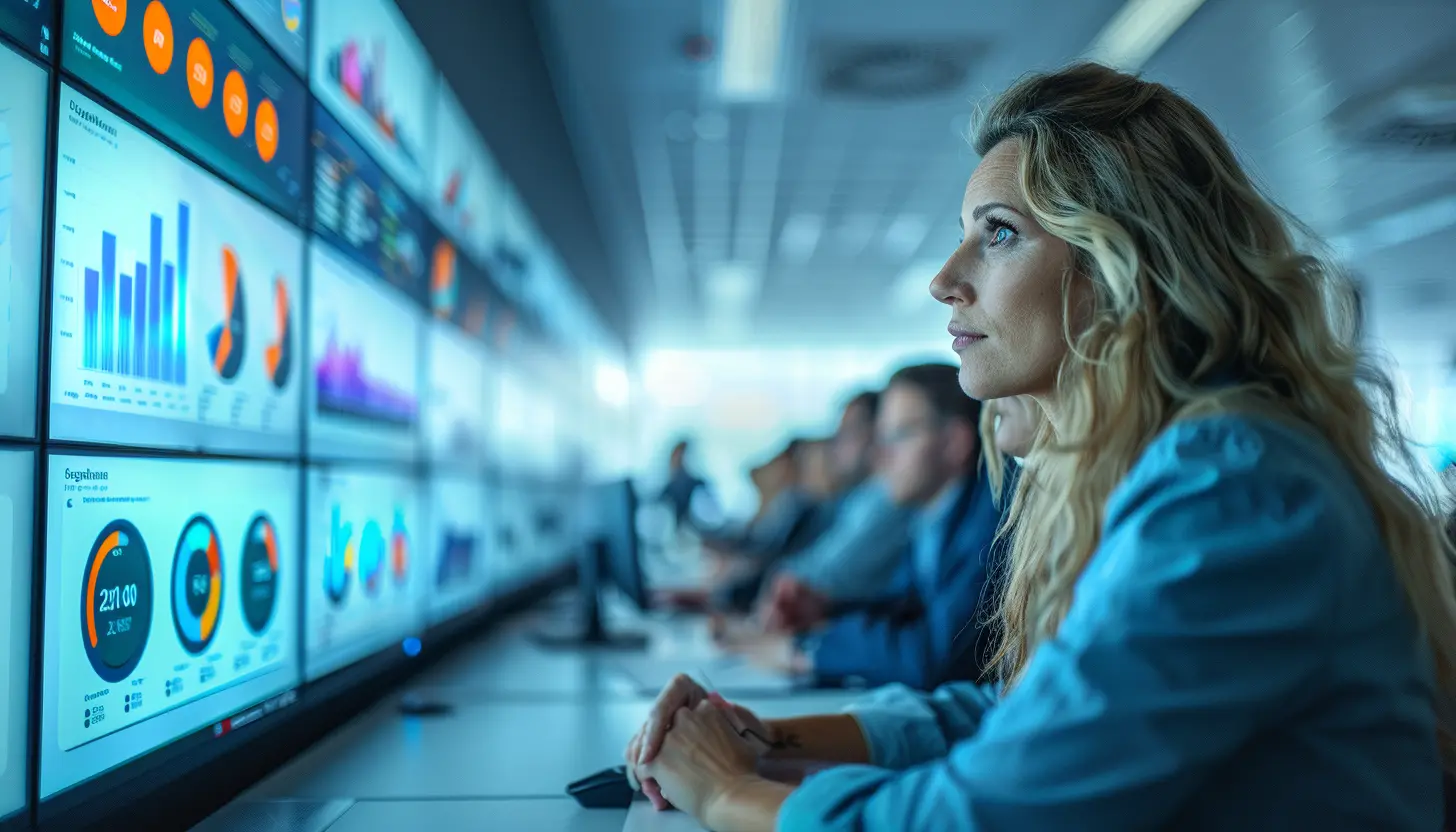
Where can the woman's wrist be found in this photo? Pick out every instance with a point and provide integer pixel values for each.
(747, 803)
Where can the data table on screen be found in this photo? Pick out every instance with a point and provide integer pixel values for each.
(175, 299)
(17, 482)
(22, 198)
(366, 579)
(171, 601)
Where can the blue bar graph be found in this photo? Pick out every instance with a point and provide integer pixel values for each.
(139, 324)
(93, 305)
(123, 356)
(168, 298)
(141, 333)
(108, 316)
(179, 368)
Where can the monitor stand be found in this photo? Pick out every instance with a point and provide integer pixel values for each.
(590, 631)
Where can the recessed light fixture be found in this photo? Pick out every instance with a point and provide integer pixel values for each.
(753, 35)
(905, 234)
(1138, 30)
(800, 236)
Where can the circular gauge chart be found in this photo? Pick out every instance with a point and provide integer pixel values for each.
(371, 558)
(227, 340)
(338, 558)
(116, 601)
(260, 574)
(292, 14)
(399, 549)
(278, 355)
(197, 584)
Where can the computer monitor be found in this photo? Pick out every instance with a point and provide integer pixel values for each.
(608, 554)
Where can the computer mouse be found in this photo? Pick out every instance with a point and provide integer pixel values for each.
(607, 789)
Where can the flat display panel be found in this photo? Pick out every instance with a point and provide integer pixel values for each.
(22, 198)
(17, 483)
(364, 386)
(29, 21)
(175, 313)
(460, 291)
(359, 210)
(371, 72)
(171, 601)
(455, 410)
(197, 73)
(464, 177)
(459, 577)
(284, 24)
(365, 586)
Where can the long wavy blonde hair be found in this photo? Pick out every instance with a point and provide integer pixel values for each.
(1193, 274)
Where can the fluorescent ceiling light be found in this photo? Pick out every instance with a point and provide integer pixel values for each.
(733, 285)
(753, 32)
(612, 385)
(800, 236)
(1138, 30)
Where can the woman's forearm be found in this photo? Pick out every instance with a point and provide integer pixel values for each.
(830, 739)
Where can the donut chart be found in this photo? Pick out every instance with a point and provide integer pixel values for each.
(339, 559)
(259, 574)
(371, 558)
(116, 601)
(278, 355)
(228, 340)
(197, 584)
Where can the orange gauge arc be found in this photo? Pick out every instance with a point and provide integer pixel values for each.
(113, 540)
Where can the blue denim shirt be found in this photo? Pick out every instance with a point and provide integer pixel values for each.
(1239, 655)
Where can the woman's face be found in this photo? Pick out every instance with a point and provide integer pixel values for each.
(1004, 287)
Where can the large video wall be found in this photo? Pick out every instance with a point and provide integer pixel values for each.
(275, 401)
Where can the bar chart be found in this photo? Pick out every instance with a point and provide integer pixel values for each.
(135, 324)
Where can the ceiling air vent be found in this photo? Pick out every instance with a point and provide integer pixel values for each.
(1418, 111)
(895, 71)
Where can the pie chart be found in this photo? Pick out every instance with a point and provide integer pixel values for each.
(278, 355)
(371, 558)
(226, 341)
(260, 574)
(197, 584)
(116, 601)
(399, 549)
(444, 285)
(339, 559)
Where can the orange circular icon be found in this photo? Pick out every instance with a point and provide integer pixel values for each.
(157, 29)
(111, 14)
(265, 130)
(199, 73)
(235, 103)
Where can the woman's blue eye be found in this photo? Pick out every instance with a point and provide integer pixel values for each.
(1000, 235)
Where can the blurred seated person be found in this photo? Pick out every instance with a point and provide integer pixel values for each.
(686, 494)
(858, 553)
(796, 604)
(944, 590)
(796, 504)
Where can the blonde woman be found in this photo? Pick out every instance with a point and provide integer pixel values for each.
(1223, 613)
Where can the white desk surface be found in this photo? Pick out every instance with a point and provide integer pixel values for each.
(526, 722)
